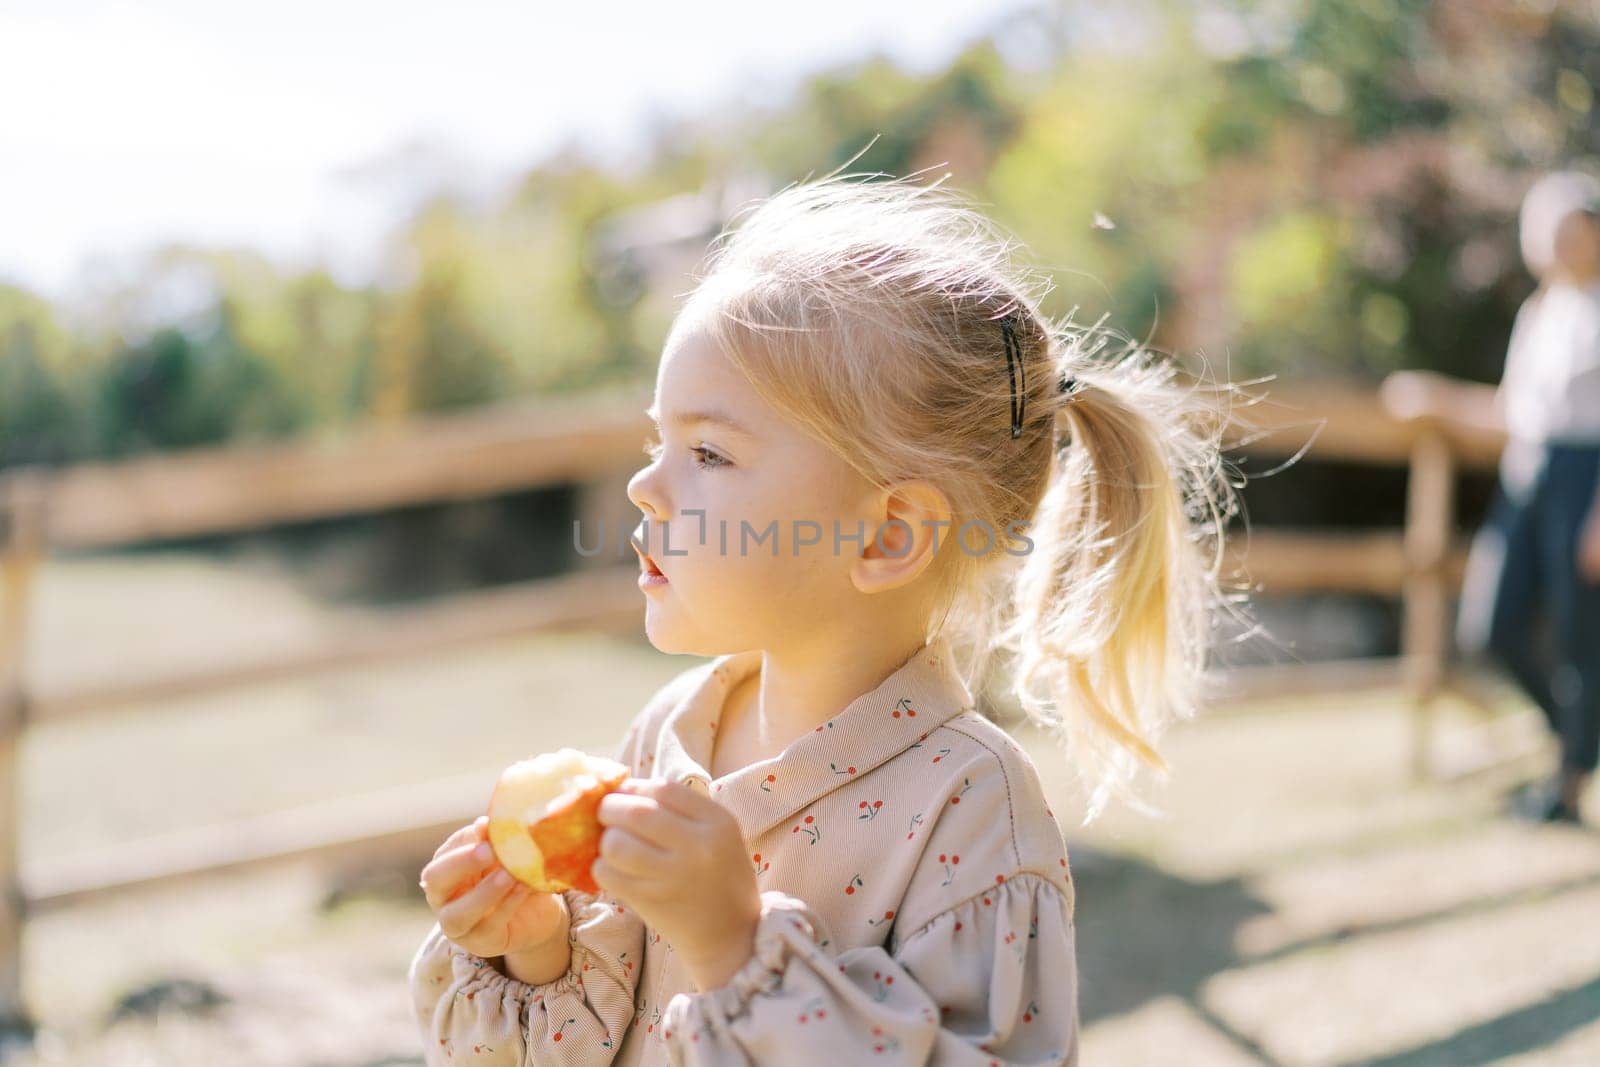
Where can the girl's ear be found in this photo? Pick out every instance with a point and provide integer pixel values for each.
(913, 522)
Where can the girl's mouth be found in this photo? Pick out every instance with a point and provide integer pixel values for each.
(650, 575)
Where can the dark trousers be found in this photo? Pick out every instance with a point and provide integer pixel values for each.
(1522, 574)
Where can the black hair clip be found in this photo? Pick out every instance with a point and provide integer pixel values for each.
(1014, 369)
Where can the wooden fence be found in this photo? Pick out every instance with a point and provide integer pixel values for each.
(592, 443)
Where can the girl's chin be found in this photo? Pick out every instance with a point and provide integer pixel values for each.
(672, 645)
(661, 631)
(668, 636)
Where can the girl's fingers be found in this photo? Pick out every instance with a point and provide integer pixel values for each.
(645, 818)
(627, 887)
(477, 829)
(465, 912)
(670, 796)
(443, 874)
(631, 854)
(494, 927)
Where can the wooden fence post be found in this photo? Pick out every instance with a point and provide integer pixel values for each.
(22, 547)
(1429, 522)
(605, 517)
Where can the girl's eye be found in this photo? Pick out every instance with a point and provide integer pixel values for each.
(704, 457)
(707, 459)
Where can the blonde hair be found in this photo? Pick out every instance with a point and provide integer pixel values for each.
(868, 311)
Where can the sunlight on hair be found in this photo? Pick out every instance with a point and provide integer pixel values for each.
(868, 311)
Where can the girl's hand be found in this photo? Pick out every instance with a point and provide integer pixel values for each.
(1589, 546)
(480, 906)
(679, 860)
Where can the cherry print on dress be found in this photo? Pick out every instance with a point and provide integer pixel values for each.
(814, 1006)
(1017, 947)
(888, 1044)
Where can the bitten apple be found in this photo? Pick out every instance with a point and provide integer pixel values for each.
(544, 823)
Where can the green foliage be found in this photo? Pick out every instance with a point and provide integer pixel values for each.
(173, 391)
(1333, 193)
(37, 420)
(1287, 284)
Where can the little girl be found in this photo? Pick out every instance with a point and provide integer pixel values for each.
(874, 448)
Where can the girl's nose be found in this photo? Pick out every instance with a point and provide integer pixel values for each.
(642, 491)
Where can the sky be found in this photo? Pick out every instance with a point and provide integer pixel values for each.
(287, 127)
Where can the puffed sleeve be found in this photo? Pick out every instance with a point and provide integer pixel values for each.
(991, 980)
(464, 1005)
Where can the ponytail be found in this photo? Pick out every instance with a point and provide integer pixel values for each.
(1112, 610)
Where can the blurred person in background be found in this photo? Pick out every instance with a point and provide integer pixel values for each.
(1538, 553)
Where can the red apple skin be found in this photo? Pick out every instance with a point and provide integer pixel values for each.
(567, 838)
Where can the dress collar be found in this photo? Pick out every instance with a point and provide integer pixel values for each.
(921, 694)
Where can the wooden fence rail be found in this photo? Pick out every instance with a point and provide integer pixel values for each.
(592, 442)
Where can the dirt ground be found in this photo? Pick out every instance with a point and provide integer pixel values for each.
(1302, 901)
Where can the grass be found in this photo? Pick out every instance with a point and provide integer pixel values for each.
(1303, 902)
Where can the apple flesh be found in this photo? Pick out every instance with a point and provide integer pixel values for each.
(544, 823)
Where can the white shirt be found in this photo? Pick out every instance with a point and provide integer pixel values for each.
(1551, 384)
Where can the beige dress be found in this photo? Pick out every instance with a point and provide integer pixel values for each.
(917, 904)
